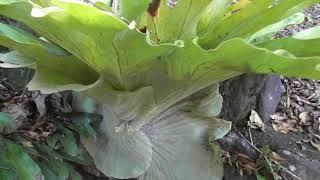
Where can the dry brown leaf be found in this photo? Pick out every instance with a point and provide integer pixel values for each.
(245, 163)
(278, 129)
(45, 134)
(240, 155)
(305, 117)
(34, 135)
(276, 157)
(306, 140)
(284, 127)
(255, 121)
(278, 116)
(250, 166)
(244, 159)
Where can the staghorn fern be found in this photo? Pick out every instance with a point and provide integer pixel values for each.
(143, 83)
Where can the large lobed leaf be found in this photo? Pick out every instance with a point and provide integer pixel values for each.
(131, 58)
(127, 152)
(51, 60)
(249, 18)
(161, 148)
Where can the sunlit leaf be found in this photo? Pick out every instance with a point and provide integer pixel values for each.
(268, 32)
(50, 60)
(165, 28)
(312, 33)
(213, 14)
(253, 17)
(133, 9)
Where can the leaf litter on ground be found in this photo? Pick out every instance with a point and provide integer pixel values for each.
(299, 111)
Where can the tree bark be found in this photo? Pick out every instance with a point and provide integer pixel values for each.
(240, 96)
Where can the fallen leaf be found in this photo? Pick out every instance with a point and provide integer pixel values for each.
(27, 144)
(240, 155)
(245, 163)
(34, 135)
(284, 127)
(305, 117)
(45, 134)
(250, 166)
(255, 121)
(305, 140)
(276, 157)
(278, 116)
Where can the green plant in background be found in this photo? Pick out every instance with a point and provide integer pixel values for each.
(53, 159)
(142, 65)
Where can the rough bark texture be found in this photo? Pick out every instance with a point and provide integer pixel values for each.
(240, 96)
(250, 92)
(269, 97)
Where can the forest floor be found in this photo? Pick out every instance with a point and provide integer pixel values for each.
(286, 145)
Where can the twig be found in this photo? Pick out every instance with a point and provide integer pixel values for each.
(267, 157)
(254, 147)
(275, 176)
(285, 169)
(250, 135)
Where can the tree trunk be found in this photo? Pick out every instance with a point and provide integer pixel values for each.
(240, 96)
(248, 92)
